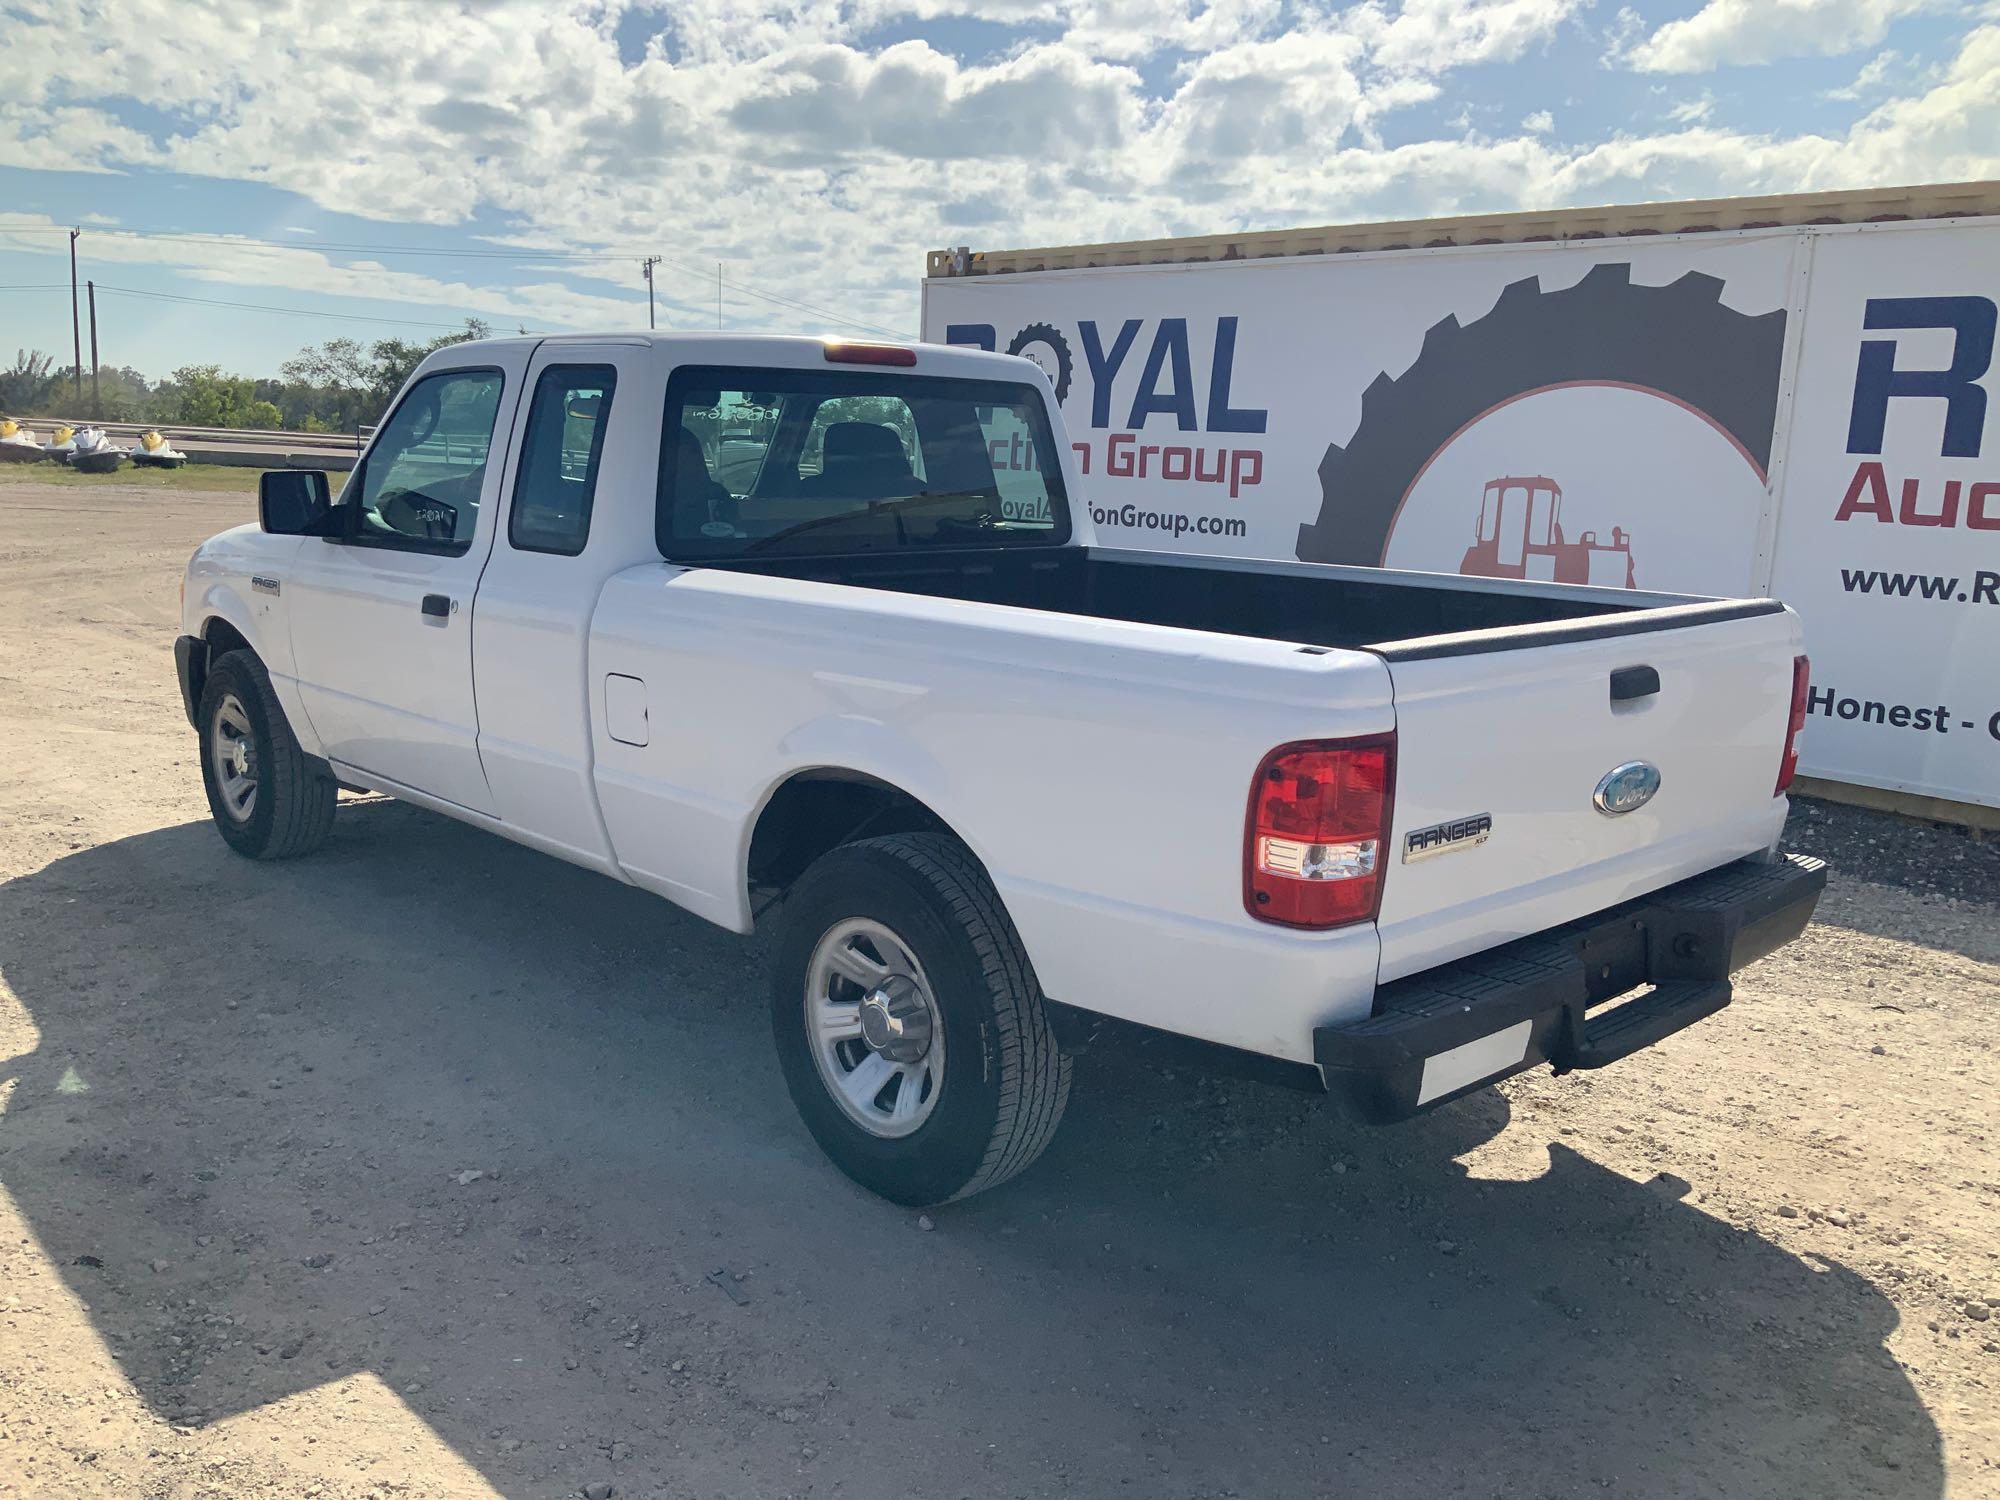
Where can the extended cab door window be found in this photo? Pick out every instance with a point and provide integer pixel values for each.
(774, 462)
(556, 478)
(419, 486)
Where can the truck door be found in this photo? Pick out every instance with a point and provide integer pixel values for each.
(578, 507)
(382, 618)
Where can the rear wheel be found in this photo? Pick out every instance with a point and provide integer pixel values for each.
(912, 1033)
(269, 799)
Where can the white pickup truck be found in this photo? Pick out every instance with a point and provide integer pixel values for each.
(818, 629)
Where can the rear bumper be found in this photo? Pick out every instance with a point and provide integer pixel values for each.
(1445, 1032)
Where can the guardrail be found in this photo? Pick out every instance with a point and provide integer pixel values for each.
(345, 442)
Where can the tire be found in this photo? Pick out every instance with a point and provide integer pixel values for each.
(1042, 336)
(1678, 341)
(1003, 1081)
(289, 810)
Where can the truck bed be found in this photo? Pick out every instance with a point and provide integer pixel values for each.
(1313, 605)
(1511, 701)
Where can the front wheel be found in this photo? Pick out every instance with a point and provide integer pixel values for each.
(909, 1024)
(269, 799)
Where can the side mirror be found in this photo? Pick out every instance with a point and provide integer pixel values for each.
(294, 502)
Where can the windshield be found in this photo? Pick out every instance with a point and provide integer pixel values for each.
(777, 461)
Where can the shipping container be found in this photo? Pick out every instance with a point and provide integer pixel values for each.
(1747, 396)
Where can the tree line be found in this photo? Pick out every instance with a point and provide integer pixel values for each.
(330, 387)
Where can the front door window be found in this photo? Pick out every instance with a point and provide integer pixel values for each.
(419, 486)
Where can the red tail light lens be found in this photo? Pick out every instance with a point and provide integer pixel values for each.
(1318, 832)
(848, 352)
(1788, 766)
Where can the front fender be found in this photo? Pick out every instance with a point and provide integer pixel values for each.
(222, 585)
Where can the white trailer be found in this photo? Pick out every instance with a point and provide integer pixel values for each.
(1784, 395)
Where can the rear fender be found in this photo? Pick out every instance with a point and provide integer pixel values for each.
(873, 750)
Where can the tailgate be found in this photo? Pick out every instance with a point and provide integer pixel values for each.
(1520, 728)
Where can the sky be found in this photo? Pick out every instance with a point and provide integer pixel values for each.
(252, 176)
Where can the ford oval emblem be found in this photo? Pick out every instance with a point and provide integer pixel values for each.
(1626, 788)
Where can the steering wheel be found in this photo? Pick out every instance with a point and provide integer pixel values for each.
(414, 513)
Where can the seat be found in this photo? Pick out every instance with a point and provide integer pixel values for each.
(862, 461)
(698, 499)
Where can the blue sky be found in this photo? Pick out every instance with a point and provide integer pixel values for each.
(391, 169)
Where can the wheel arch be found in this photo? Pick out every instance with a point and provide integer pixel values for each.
(221, 635)
(813, 810)
(218, 635)
(227, 621)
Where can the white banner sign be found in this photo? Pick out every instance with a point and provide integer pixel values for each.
(1889, 532)
(1612, 413)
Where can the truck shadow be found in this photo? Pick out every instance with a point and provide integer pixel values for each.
(278, 1082)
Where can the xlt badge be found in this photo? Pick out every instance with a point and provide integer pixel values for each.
(1443, 838)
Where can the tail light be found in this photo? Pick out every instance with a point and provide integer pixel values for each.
(851, 352)
(1313, 850)
(1788, 766)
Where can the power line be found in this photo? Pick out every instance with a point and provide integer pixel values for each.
(783, 301)
(522, 257)
(302, 312)
(523, 253)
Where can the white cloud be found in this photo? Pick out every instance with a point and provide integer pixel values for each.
(1872, 78)
(1433, 35)
(910, 101)
(1734, 33)
(818, 163)
(228, 261)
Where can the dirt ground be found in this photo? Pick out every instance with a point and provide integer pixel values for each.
(430, 1166)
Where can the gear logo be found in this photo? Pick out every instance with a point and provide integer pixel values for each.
(1677, 342)
(1049, 349)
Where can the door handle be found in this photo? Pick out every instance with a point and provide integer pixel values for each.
(438, 606)
(1628, 683)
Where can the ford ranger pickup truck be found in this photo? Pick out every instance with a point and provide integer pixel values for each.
(817, 633)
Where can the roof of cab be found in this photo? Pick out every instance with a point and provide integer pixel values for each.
(784, 350)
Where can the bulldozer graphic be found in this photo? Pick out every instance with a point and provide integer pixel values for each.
(1519, 534)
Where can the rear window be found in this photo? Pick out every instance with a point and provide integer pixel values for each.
(779, 462)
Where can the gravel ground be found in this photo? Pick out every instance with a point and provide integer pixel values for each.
(430, 1166)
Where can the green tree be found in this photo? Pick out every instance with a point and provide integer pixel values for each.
(202, 396)
(392, 360)
(122, 392)
(340, 384)
(324, 388)
(29, 385)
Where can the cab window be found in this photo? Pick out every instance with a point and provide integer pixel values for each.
(420, 483)
(775, 461)
(557, 476)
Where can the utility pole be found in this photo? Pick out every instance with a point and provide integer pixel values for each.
(718, 296)
(96, 393)
(75, 321)
(647, 265)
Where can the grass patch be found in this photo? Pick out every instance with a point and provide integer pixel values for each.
(222, 478)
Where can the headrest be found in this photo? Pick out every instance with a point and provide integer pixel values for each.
(863, 442)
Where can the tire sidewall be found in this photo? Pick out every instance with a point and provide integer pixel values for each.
(250, 835)
(1678, 340)
(943, 1154)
